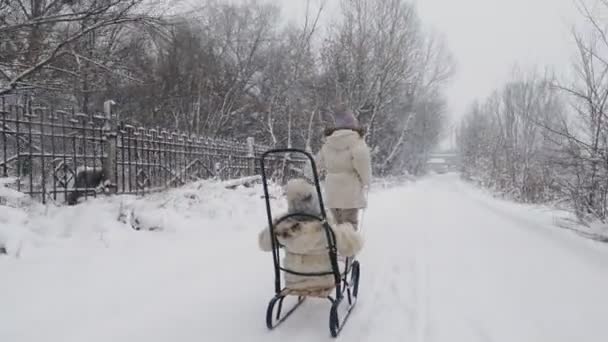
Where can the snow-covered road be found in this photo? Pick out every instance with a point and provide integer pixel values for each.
(442, 262)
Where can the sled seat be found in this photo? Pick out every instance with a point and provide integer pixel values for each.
(320, 292)
(311, 292)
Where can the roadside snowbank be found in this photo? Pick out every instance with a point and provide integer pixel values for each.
(443, 262)
(26, 228)
(562, 215)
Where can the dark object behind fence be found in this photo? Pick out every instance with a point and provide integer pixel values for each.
(63, 155)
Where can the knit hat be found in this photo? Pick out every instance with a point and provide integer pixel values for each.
(302, 198)
(344, 118)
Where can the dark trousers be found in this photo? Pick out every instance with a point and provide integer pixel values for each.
(346, 215)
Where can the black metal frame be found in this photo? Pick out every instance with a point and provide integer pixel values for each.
(342, 282)
(43, 148)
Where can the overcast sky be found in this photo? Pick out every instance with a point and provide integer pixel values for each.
(487, 38)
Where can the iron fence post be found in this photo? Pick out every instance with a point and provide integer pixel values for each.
(251, 155)
(110, 159)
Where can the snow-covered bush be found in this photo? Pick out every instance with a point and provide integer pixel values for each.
(12, 215)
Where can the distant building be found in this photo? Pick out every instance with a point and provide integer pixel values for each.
(443, 162)
(438, 165)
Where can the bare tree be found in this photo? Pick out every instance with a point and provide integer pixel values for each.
(382, 63)
(291, 68)
(503, 142)
(232, 70)
(42, 39)
(587, 133)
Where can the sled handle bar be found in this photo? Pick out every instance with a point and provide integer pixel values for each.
(315, 174)
(288, 216)
(330, 236)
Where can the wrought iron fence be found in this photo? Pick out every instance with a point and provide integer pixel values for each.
(62, 155)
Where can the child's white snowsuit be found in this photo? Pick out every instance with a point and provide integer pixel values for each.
(304, 240)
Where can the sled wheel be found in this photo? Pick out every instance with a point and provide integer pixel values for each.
(270, 312)
(336, 323)
(355, 274)
(273, 319)
(334, 320)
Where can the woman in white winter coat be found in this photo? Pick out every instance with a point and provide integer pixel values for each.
(345, 160)
(305, 240)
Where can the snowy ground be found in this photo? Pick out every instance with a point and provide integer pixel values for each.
(443, 262)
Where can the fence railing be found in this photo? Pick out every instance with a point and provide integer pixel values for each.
(62, 155)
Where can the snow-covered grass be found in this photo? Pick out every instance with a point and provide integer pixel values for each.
(12, 215)
(499, 271)
(443, 261)
(72, 272)
(560, 210)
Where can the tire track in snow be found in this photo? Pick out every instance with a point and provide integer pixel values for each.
(376, 275)
(432, 221)
(370, 301)
(422, 329)
(422, 220)
(578, 247)
(498, 270)
(388, 276)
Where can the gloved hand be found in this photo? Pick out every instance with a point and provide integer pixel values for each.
(365, 192)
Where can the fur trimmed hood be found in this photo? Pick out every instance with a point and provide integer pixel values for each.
(302, 198)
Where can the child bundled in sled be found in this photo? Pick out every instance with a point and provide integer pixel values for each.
(305, 241)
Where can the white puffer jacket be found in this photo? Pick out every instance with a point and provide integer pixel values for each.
(306, 250)
(345, 158)
(305, 240)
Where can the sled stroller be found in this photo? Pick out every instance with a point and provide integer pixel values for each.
(342, 295)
